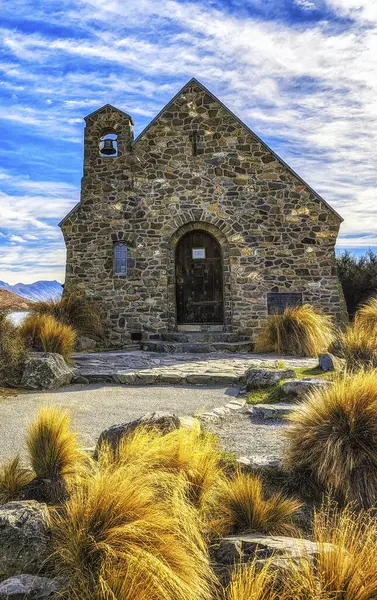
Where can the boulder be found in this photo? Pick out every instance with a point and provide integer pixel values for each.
(272, 411)
(84, 344)
(159, 421)
(25, 541)
(80, 380)
(45, 371)
(257, 378)
(244, 548)
(30, 587)
(329, 362)
(301, 387)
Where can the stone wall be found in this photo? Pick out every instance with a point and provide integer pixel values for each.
(276, 234)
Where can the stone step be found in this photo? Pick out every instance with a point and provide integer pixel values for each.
(273, 411)
(196, 336)
(195, 347)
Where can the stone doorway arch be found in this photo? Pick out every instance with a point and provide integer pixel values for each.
(220, 240)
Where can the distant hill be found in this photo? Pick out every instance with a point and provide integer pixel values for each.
(10, 301)
(39, 290)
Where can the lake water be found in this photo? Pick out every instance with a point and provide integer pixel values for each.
(18, 317)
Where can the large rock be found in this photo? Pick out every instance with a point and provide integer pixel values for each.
(244, 548)
(299, 388)
(30, 587)
(257, 378)
(329, 362)
(272, 411)
(159, 421)
(45, 371)
(84, 343)
(25, 541)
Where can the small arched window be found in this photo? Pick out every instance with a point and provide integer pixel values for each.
(120, 258)
(108, 145)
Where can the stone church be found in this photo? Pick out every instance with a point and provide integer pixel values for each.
(195, 226)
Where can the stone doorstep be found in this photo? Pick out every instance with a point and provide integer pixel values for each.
(168, 378)
(204, 347)
(273, 411)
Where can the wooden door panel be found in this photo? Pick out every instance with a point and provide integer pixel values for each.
(199, 282)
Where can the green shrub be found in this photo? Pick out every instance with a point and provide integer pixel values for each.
(12, 352)
(358, 277)
(333, 438)
(43, 333)
(299, 331)
(74, 309)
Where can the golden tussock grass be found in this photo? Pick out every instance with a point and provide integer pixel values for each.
(366, 316)
(241, 506)
(13, 478)
(43, 333)
(187, 453)
(333, 437)
(119, 535)
(53, 448)
(252, 582)
(74, 309)
(358, 346)
(300, 331)
(346, 564)
(12, 351)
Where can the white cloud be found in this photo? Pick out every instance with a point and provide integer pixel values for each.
(308, 87)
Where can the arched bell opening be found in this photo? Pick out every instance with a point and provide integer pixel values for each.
(108, 144)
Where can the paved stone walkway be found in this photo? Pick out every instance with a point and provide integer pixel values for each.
(148, 368)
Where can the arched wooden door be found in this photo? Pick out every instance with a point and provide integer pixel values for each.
(199, 279)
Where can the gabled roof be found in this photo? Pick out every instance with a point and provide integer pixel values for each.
(215, 99)
(104, 107)
(242, 124)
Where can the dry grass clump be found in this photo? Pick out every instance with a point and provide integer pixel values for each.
(366, 316)
(12, 352)
(13, 478)
(53, 448)
(346, 564)
(298, 331)
(44, 333)
(241, 506)
(76, 310)
(345, 567)
(252, 582)
(119, 537)
(358, 346)
(333, 438)
(187, 453)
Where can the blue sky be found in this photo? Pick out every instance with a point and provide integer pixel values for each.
(300, 73)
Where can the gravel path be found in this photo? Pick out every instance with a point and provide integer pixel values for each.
(249, 436)
(96, 407)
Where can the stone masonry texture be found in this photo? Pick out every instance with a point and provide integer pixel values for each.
(275, 233)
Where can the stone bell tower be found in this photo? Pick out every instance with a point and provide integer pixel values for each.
(107, 153)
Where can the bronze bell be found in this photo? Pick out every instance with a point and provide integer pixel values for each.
(108, 147)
